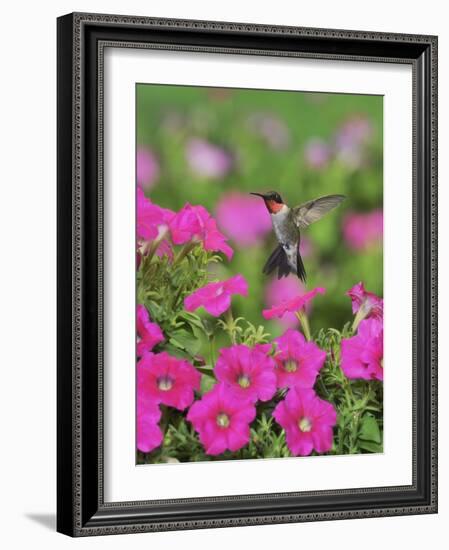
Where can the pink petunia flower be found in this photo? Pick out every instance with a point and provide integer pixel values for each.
(148, 334)
(194, 223)
(362, 354)
(208, 160)
(281, 290)
(363, 231)
(243, 218)
(162, 378)
(248, 373)
(298, 362)
(152, 220)
(307, 421)
(149, 434)
(317, 153)
(147, 168)
(295, 304)
(216, 297)
(221, 420)
(365, 304)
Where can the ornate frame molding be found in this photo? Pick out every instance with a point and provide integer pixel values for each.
(81, 42)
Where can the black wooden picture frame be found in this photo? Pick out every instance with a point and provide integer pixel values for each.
(81, 510)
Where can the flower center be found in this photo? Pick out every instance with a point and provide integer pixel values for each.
(165, 383)
(290, 365)
(223, 420)
(305, 425)
(244, 381)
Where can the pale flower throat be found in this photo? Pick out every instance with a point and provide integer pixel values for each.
(305, 425)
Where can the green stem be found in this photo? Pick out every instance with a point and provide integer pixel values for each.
(360, 315)
(149, 248)
(303, 319)
(188, 247)
(212, 349)
(229, 320)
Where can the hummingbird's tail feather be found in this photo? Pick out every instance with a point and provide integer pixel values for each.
(300, 269)
(278, 259)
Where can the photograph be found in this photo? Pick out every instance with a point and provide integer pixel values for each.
(259, 273)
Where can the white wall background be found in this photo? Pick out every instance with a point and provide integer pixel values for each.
(27, 276)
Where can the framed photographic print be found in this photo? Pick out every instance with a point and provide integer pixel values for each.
(246, 274)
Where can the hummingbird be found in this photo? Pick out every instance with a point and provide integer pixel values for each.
(287, 225)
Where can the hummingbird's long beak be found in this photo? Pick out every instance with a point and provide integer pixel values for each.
(258, 195)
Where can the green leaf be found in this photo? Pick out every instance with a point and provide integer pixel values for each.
(208, 370)
(370, 446)
(185, 340)
(207, 383)
(369, 430)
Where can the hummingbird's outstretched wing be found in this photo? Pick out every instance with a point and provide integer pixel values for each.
(312, 211)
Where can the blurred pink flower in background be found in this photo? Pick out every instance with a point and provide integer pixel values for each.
(271, 128)
(243, 218)
(208, 160)
(350, 140)
(305, 247)
(216, 297)
(147, 168)
(194, 223)
(317, 153)
(278, 290)
(363, 230)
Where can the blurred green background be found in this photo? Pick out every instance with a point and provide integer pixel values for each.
(212, 146)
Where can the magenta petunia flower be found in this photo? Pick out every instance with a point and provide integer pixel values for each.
(243, 218)
(362, 354)
(147, 168)
(248, 373)
(208, 160)
(149, 434)
(281, 290)
(152, 220)
(363, 231)
(221, 420)
(298, 362)
(148, 334)
(216, 297)
(162, 378)
(365, 304)
(307, 421)
(194, 223)
(295, 304)
(317, 153)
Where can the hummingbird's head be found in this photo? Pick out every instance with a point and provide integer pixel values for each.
(273, 201)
